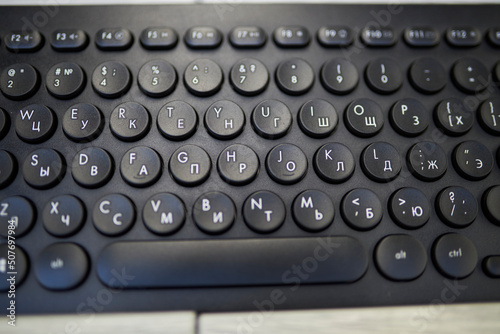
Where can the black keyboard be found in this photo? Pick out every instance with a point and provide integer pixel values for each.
(248, 157)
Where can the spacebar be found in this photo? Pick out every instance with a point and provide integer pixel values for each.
(165, 264)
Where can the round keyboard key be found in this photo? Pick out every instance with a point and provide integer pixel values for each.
(334, 163)
(456, 206)
(17, 214)
(214, 213)
(111, 79)
(113, 214)
(4, 123)
(294, 76)
(361, 209)
(129, 121)
(19, 270)
(141, 166)
(381, 162)
(364, 118)
(470, 75)
(92, 167)
(409, 208)
(339, 76)
(8, 168)
(498, 156)
(203, 77)
(455, 255)
(427, 161)
(177, 120)
(238, 164)
(82, 122)
(164, 214)
(157, 78)
(489, 115)
(271, 119)
(491, 198)
(409, 117)
(264, 212)
(63, 215)
(65, 80)
(313, 210)
(384, 76)
(224, 120)
(453, 117)
(44, 168)
(427, 75)
(286, 164)
(473, 160)
(491, 266)
(35, 123)
(317, 118)
(496, 73)
(19, 81)
(400, 257)
(62, 266)
(190, 165)
(249, 77)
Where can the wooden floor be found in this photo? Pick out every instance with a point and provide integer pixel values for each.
(439, 319)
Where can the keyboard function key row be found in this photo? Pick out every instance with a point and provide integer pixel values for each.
(206, 37)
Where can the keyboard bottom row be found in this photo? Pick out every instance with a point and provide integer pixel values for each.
(339, 259)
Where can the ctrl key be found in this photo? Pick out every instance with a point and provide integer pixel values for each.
(455, 255)
(62, 266)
